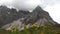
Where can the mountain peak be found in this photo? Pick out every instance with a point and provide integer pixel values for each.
(38, 8)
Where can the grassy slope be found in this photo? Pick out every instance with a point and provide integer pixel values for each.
(55, 28)
(4, 32)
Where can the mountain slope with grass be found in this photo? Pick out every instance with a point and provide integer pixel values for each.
(50, 30)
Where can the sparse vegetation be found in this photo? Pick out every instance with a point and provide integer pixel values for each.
(35, 30)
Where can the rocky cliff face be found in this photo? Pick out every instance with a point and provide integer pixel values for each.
(39, 16)
(8, 15)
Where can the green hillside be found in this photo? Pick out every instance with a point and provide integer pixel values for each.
(35, 30)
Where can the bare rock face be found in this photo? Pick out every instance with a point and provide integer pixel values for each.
(39, 16)
(8, 15)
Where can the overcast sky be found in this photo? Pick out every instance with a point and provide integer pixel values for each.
(51, 6)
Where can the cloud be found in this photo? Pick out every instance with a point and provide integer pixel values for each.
(6, 2)
(28, 4)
